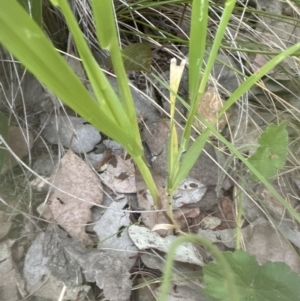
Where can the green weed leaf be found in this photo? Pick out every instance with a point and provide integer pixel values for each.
(269, 282)
(272, 153)
(136, 57)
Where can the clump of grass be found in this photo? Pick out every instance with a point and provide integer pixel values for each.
(27, 42)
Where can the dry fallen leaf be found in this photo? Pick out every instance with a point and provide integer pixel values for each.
(144, 239)
(103, 267)
(209, 108)
(112, 231)
(260, 239)
(190, 191)
(76, 188)
(50, 265)
(226, 213)
(186, 216)
(268, 245)
(119, 175)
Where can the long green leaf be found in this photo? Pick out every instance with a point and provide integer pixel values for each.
(194, 152)
(255, 172)
(99, 82)
(197, 44)
(108, 38)
(229, 5)
(198, 27)
(34, 8)
(27, 42)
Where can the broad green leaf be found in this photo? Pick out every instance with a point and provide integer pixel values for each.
(269, 282)
(3, 133)
(273, 151)
(136, 57)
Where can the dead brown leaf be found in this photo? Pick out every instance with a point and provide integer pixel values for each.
(119, 175)
(226, 214)
(185, 217)
(268, 245)
(20, 143)
(76, 188)
(209, 108)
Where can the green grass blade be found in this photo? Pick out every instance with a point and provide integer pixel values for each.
(256, 76)
(99, 82)
(27, 42)
(229, 6)
(231, 286)
(196, 83)
(34, 8)
(236, 153)
(108, 38)
(190, 158)
(104, 19)
(197, 45)
(194, 152)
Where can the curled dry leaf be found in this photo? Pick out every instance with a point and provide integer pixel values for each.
(209, 108)
(76, 188)
(119, 175)
(226, 213)
(210, 222)
(185, 217)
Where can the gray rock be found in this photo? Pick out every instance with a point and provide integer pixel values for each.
(71, 132)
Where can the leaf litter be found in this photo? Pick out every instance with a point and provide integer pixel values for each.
(75, 189)
(204, 203)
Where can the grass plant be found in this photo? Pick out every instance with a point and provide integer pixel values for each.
(115, 116)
